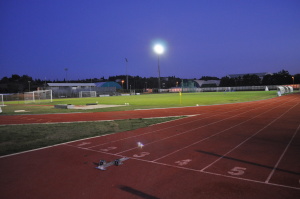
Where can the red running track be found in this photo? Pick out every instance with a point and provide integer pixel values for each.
(245, 150)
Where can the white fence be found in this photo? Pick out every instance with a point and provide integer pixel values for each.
(229, 89)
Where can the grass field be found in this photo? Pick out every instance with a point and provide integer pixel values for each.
(17, 138)
(146, 101)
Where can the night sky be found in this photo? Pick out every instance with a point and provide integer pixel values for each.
(92, 38)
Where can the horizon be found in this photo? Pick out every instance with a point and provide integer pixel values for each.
(106, 78)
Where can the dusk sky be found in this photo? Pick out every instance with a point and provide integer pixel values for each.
(92, 38)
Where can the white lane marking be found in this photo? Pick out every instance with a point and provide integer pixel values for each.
(214, 134)
(175, 125)
(194, 170)
(248, 138)
(184, 132)
(279, 160)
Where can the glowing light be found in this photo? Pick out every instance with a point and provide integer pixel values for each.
(159, 49)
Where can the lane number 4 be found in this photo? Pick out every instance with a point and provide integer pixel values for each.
(183, 162)
(237, 171)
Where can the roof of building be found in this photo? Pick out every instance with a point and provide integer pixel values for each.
(71, 84)
(108, 84)
(97, 84)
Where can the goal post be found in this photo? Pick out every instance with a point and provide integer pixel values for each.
(38, 96)
(1, 100)
(87, 94)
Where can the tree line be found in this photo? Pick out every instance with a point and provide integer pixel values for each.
(24, 83)
(280, 78)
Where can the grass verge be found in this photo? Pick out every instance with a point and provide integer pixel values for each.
(18, 138)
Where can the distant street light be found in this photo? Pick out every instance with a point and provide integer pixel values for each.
(293, 79)
(122, 83)
(158, 49)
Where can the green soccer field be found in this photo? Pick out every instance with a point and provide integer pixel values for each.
(146, 101)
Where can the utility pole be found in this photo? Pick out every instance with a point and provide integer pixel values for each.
(126, 73)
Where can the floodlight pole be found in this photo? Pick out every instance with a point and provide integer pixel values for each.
(126, 73)
(158, 73)
(159, 49)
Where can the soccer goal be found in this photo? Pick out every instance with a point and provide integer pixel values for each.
(38, 96)
(1, 100)
(87, 94)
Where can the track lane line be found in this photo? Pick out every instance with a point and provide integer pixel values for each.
(188, 169)
(283, 153)
(215, 134)
(168, 127)
(69, 143)
(184, 132)
(226, 154)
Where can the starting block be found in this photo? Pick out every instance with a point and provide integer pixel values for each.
(102, 165)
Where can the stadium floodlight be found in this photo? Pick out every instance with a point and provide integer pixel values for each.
(158, 49)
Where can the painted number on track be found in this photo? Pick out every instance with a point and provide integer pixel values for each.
(183, 162)
(237, 171)
(142, 154)
(108, 149)
(83, 143)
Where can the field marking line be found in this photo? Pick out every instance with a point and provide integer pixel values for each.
(188, 169)
(184, 132)
(226, 154)
(283, 153)
(215, 134)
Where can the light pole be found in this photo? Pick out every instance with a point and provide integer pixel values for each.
(126, 73)
(66, 69)
(29, 85)
(158, 49)
(293, 79)
(122, 84)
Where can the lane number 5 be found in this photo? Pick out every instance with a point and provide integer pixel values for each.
(237, 171)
